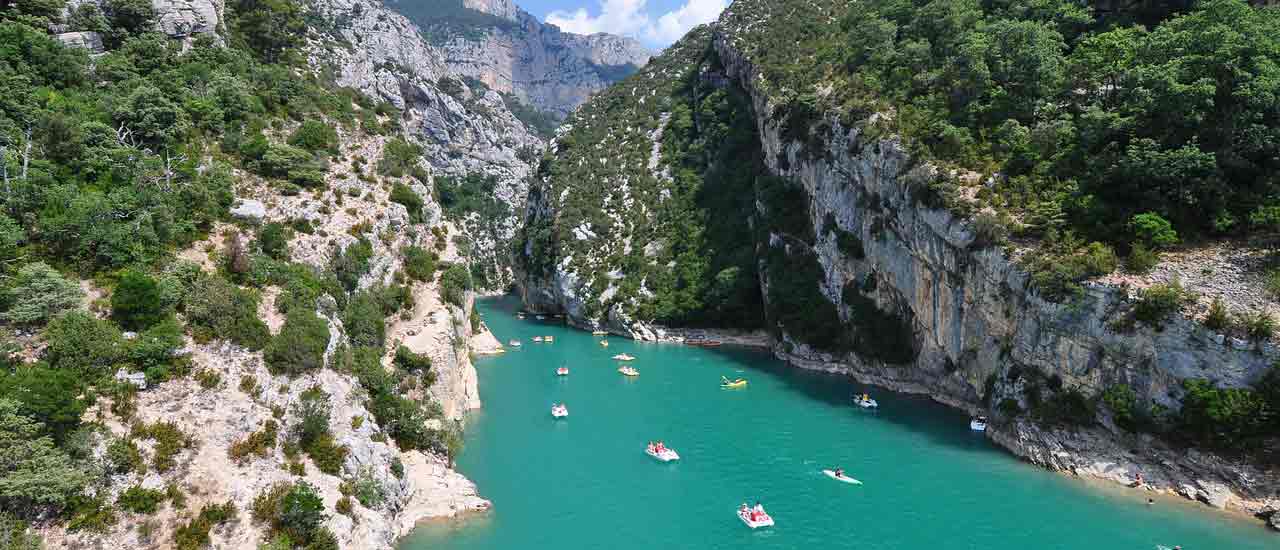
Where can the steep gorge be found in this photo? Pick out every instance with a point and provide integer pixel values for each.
(861, 270)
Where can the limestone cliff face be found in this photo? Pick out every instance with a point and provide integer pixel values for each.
(182, 20)
(979, 334)
(463, 130)
(551, 70)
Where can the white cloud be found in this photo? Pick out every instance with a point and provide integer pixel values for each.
(630, 18)
(672, 25)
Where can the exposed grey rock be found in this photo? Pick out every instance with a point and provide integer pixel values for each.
(187, 18)
(552, 70)
(88, 40)
(250, 209)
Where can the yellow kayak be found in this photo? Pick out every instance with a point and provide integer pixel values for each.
(734, 384)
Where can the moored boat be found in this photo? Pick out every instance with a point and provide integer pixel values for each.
(548, 339)
(537, 339)
(978, 424)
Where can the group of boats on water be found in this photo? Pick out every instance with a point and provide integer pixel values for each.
(753, 516)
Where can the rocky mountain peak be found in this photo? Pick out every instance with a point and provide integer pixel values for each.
(505, 9)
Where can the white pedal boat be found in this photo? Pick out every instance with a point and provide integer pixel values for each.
(559, 411)
(978, 424)
(562, 371)
(623, 357)
(628, 371)
(866, 402)
(762, 520)
(537, 339)
(514, 343)
(665, 455)
(832, 474)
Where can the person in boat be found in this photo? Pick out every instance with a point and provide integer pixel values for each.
(839, 472)
(744, 510)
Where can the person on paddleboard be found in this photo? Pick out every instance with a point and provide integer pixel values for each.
(839, 472)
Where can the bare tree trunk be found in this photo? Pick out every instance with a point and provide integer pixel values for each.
(26, 154)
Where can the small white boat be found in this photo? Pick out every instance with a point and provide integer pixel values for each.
(841, 477)
(604, 343)
(548, 339)
(562, 371)
(559, 411)
(599, 333)
(514, 343)
(664, 455)
(628, 371)
(760, 519)
(537, 339)
(978, 424)
(624, 357)
(541, 317)
(865, 401)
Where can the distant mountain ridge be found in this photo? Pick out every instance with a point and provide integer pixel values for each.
(512, 52)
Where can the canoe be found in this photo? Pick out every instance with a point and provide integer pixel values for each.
(734, 384)
(831, 474)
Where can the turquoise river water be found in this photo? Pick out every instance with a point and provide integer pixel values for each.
(584, 482)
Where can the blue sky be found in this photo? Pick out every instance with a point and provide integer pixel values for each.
(656, 23)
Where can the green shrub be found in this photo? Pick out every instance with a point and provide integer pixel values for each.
(398, 158)
(208, 378)
(195, 534)
(38, 293)
(170, 440)
(300, 346)
(259, 443)
(273, 240)
(91, 514)
(1141, 259)
(419, 263)
(139, 500)
(123, 456)
(217, 309)
(352, 263)
(368, 490)
(878, 334)
(405, 195)
(1222, 418)
(343, 506)
(1058, 267)
(454, 284)
(412, 363)
(81, 343)
(1272, 283)
(1218, 318)
(364, 320)
(323, 539)
(136, 302)
(315, 136)
(1259, 325)
(1153, 230)
(797, 304)
(1158, 302)
(1121, 400)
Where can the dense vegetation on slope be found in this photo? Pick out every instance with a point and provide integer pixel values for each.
(675, 226)
(1090, 119)
(109, 165)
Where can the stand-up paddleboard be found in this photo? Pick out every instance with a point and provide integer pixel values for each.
(831, 474)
